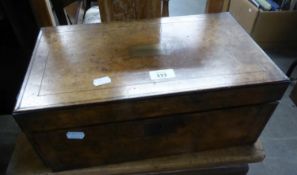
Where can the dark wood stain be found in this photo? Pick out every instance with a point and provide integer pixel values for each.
(140, 139)
(224, 92)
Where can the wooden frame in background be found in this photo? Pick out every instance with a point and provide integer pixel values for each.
(216, 6)
(44, 14)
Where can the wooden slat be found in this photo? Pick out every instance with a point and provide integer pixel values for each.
(216, 6)
(43, 13)
(126, 10)
(74, 12)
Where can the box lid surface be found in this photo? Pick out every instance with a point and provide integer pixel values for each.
(200, 53)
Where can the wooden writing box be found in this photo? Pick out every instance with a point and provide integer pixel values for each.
(220, 90)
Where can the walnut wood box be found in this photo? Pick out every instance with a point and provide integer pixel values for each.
(223, 91)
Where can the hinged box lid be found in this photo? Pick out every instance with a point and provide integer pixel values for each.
(84, 64)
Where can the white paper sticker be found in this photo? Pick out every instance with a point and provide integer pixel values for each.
(101, 81)
(74, 135)
(162, 74)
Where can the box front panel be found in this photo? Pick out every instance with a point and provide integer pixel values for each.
(135, 140)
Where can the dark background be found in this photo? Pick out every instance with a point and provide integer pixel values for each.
(18, 32)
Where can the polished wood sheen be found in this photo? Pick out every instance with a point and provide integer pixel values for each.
(224, 90)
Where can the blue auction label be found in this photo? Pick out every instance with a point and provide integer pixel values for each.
(75, 135)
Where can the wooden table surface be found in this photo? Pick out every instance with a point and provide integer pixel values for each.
(25, 161)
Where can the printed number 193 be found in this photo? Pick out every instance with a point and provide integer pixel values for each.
(162, 74)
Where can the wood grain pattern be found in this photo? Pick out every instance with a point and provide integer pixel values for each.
(141, 139)
(45, 120)
(199, 49)
(126, 10)
(224, 90)
(25, 161)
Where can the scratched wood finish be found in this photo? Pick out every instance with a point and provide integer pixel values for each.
(126, 10)
(140, 139)
(198, 48)
(214, 162)
(218, 69)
